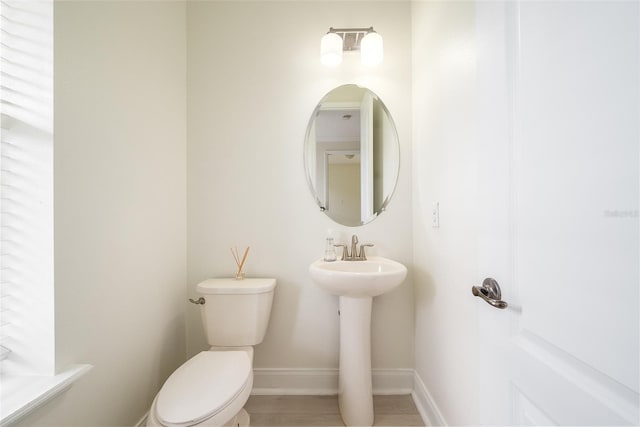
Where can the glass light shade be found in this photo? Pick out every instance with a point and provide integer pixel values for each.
(371, 51)
(331, 50)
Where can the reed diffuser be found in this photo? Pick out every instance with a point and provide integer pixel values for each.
(239, 263)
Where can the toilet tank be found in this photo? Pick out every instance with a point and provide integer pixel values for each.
(236, 312)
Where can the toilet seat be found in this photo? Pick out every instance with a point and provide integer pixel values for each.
(208, 385)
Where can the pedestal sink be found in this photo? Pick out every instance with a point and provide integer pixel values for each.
(356, 283)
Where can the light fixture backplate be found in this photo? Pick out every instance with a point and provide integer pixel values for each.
(351, 37)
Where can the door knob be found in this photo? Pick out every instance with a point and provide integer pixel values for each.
(490, 292)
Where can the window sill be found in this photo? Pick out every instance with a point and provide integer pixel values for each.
(22, 394)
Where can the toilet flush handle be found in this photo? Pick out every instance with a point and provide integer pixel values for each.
(198, 301)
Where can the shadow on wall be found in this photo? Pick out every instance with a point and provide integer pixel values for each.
(424, 287)
(288, 315)
(166, 356)
(284, 313)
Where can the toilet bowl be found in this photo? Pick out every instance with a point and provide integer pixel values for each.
(211, 388)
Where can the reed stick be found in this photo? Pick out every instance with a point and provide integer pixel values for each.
(235, 255)
(244, 258)
(239, 263)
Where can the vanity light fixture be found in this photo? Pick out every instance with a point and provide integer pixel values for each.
(339, 40)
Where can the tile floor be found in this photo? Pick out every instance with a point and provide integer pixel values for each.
(315, 411)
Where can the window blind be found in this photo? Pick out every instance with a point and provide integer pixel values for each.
(26, 177)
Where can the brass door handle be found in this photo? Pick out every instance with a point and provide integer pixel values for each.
(490, 292)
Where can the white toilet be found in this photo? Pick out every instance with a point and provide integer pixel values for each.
(211, 388)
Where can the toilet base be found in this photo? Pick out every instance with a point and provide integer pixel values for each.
(240, 420)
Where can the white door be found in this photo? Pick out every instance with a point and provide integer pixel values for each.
(558, 184)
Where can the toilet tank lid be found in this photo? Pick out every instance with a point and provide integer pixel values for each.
(233, 286)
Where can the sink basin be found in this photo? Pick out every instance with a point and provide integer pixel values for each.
(369, 278)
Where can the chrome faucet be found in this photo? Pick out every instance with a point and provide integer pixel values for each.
(354, 247)
(363, 256)
(353, 255)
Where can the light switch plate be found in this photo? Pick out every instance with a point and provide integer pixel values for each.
(435, 215)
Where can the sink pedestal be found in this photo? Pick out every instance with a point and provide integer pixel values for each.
(356, 283)
(354, 384)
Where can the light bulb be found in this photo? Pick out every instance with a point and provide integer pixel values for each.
(331, 50)
(371, 51)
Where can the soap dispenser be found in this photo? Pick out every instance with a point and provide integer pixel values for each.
(330, 250)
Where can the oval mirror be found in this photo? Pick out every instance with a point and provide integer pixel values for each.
(351, 155)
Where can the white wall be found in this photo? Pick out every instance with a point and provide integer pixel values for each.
(120, 196)
(444, 170)
(254, 78)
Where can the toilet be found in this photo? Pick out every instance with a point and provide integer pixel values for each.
(211, 388)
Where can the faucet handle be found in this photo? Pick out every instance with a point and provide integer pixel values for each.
(345, 251)
(362, 255)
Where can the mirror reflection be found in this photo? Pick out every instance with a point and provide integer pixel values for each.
(351, 155)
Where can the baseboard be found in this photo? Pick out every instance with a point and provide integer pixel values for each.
(274, 381)
(143, 421)
(427, 407)
(392, 381)
(268, 381)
